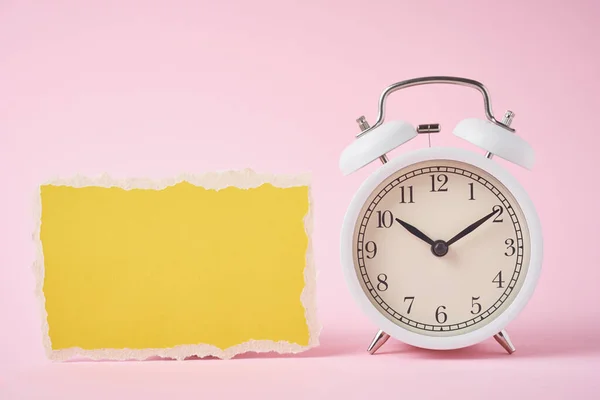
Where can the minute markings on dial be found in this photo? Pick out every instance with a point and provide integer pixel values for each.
(510, 283)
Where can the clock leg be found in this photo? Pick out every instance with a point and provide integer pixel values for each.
(380, 338)
(504, 340)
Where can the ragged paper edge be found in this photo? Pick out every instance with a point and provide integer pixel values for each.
(243, 179)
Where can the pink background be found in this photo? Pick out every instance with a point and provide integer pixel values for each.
(154, 89)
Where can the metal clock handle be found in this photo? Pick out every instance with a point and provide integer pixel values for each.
(452, 80)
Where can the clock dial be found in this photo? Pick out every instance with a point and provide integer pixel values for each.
(441, 248)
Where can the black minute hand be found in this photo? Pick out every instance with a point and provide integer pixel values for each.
(415, 231)
(471, 228)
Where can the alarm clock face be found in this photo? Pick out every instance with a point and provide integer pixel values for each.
(441, 248)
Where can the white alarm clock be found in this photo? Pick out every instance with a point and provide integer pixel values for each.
(441, 247)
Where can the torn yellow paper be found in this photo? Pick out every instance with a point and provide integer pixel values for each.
(188, 268)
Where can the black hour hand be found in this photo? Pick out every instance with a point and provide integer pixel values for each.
(415, 231)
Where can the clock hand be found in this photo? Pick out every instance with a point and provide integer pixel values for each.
(471, 228)
(415, 231)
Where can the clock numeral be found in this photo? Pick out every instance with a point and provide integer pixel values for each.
(382, 282)
(510, 247)
(471, 189)
(475, 304)
(385, 219)
(498, 280)
(412, 299)
(371, 249)
(441, 178)
(441, 316)
(497, 208)
(382, 285)
(406, 193)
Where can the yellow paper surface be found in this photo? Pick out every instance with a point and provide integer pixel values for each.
(184, 265)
